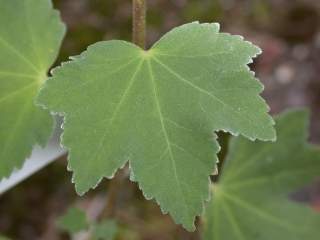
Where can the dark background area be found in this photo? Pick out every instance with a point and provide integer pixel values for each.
(288, 31)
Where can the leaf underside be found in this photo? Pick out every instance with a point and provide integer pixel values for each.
(252, 198)
(30, 36)
(158, 109)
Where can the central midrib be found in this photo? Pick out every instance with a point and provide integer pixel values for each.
(164, 130)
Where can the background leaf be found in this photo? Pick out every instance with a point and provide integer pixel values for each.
(3, 238)
(252, 198)
(105, 230)
(30, 37)
(158, 109)
(73, 221)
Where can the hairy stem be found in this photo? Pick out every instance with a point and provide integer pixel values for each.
(139, 8)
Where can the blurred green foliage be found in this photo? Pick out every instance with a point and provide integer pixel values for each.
(73, 221)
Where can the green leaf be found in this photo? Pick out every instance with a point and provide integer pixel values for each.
(3, 238)
(30, 36)
(158, 109)
(105, 230)
(73, 221)
(252, 198)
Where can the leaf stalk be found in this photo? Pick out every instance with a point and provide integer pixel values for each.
(139, 9)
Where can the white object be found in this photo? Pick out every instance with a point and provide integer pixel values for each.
(39, 158)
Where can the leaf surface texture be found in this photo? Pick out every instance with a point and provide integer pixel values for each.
(252, 199)
(158, 109)
(30, 37)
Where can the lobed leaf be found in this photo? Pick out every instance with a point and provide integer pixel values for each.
(252, 198)
(30, 37)
(158, 109)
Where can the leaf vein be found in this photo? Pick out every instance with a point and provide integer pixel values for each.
(18, 54)
(155, 92)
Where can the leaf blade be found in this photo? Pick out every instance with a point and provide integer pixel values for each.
(24, 62)
(257, 181)
(158, 122)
